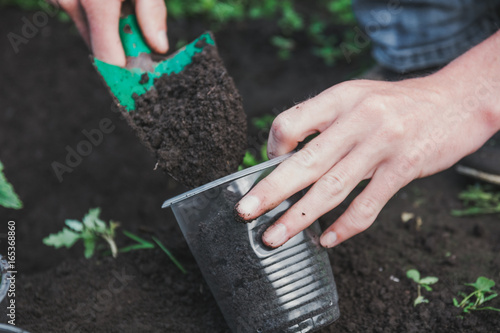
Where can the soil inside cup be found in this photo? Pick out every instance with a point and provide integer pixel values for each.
(238, 276)
(193, 121)
(226, 253)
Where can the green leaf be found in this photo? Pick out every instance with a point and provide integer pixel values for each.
(455, 302)
(138, 239)
(263, 152)
(65, 237)
(488, 308)
(8, 198)
(283, 43)
(92, 221)
(90, 217)
(414, 275)
(419, 300)
(249, 160)
(429, 280)
(170, 255)
(263, 122)
(75, 225)
(482, 284)
(426, 287)
(134, 247)
(490, 297)
(89, 244)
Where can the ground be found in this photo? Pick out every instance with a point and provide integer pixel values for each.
(50, 94)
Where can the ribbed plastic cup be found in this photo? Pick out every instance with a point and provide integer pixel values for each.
(258, 289)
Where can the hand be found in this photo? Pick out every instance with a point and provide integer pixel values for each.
(97, 22)
(389, 132)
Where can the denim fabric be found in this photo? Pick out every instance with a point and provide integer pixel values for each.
(409, 35)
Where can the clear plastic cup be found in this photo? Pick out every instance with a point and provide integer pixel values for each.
(258, 289)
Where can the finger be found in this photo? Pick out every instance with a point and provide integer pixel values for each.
(103, 18)
(297, 172)
(152, 17)
(327, 193)
(362, 212)
(314, 115)
(75, 11)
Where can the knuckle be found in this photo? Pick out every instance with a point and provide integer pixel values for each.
(281, 127)
(392, 131)
(269, 184)
(365, 209)
(342, 88)
(358, 225)
(407, 166)
(333, 183)
(305, 158)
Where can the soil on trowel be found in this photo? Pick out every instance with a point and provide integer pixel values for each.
(193, 121)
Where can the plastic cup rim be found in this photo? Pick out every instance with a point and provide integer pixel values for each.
(226, 179)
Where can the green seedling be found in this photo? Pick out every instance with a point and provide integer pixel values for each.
(263, 122)
(8, 197)
(425, 282)
(142, 244)
(169, 254)
(284, 45)
(250, 160)
(90, 230)
(479, 199)
(482, 293)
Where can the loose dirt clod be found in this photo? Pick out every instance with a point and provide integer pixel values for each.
(193, 121)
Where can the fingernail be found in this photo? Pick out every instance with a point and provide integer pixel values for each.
(247, 206)
(329, 239)
(162, 40)
(275, 235)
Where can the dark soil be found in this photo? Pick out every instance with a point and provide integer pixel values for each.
(193, 121)
(50, 93)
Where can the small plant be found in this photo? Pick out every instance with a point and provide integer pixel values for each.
(250, 160)
(479, 199)
(90, 230)
(8, 198)
(482, 294)
(284, 45)
(262, 123)
(425, 282)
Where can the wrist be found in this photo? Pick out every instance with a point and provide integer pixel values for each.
(475, 95)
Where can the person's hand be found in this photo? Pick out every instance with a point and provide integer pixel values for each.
(97, 22)
(388, 132)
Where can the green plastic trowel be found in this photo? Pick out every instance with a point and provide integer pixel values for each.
(123, 82)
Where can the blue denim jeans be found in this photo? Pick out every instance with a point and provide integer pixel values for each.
(409, 35)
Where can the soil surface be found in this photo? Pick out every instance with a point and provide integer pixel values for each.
(50, 94)
(193, 121)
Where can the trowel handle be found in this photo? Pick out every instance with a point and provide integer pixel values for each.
(130, 33)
